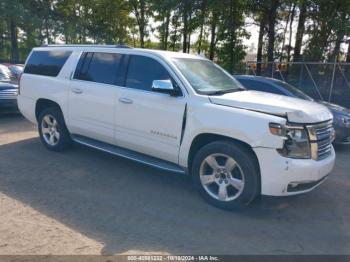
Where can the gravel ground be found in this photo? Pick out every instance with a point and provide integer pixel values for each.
(87, 202)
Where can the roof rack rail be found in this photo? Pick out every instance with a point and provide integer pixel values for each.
(122, 46)
(86, 45)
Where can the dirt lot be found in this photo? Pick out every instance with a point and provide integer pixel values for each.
(88, 202)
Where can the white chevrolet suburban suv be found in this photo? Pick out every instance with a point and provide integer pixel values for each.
(181, 113)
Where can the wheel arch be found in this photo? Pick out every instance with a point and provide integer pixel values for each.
(205, 138)
(43, 103)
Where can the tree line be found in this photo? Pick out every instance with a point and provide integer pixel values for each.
(299, 30)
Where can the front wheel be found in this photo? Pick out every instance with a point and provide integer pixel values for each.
(226, 174)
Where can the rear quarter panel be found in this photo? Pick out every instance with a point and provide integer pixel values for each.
(56, 89)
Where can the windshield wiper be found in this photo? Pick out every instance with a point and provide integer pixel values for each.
(222, 92)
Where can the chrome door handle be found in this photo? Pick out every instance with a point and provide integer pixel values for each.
(125, 100)
(77, 90)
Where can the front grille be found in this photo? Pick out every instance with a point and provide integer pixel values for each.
(8, 94)
(321, 138)
(324, 132)
(324, 149)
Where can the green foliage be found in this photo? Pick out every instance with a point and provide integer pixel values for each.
(231, 30)
(214, 28)
(330, 24)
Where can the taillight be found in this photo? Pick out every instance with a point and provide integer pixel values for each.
(19, 83)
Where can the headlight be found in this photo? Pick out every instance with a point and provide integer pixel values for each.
(296, 140)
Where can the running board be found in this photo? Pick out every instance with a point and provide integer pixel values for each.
(129, 154)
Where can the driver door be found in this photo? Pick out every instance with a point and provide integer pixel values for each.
(146, 121)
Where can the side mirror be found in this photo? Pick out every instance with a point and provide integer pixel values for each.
(164, 86)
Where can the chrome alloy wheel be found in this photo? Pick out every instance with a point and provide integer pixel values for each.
(49, 129)
(221, 177)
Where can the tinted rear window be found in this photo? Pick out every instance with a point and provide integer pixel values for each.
(47, 63)
(99, 67)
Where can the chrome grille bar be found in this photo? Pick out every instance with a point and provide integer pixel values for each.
(8, 94)
(321, 140)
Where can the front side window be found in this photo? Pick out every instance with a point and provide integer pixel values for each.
(99, 67)
(46, 63)
(206, 77)
(142, 71)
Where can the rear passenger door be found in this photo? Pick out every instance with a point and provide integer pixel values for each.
(146, 121)
(93, 94)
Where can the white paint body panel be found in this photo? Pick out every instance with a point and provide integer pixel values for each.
(91, 113)
(247, 126)
(277, 171)
(34, 87)
(295, 109)
(152, 123)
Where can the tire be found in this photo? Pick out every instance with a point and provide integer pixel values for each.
(226, 174)
(52, 130)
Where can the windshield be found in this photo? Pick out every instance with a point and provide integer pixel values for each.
(206, 77)
(295, 91)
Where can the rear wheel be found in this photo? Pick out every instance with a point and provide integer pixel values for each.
(226, 174)
(52, 129)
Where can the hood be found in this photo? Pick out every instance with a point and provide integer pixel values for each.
(336, 109)
(294, 109)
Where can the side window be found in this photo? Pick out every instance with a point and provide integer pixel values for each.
(260, 86)
(99, 67)
(46, 63)
(143, 70)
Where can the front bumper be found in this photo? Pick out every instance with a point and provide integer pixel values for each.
(282, 176)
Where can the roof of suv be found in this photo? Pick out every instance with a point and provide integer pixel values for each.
(122, 49)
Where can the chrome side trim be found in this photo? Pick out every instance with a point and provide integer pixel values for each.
(128, 154)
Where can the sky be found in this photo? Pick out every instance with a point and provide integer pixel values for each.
(250, 43)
